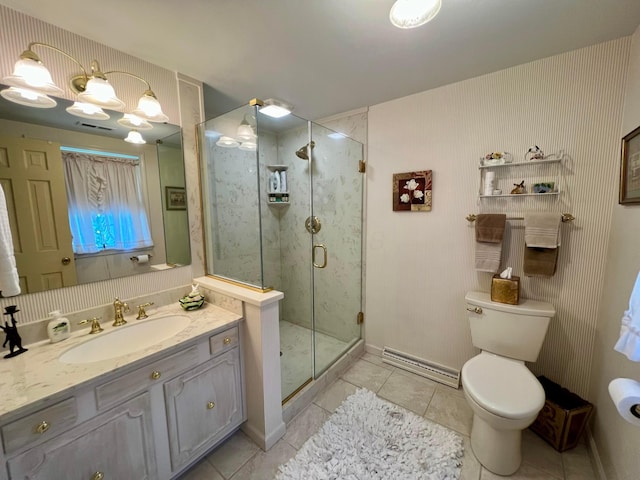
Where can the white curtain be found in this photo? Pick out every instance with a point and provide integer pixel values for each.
(105, 204)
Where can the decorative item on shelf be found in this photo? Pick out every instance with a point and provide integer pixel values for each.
(534, 153)
(11, 332)
(520, 188)
(497, 191)
(544, 187)
(496, 158)
(193, 300)
(412, 191)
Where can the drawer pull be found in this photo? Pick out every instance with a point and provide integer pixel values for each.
(97, 476)
(155, 375)
(226, 340)
(210, 405)
(43, 427)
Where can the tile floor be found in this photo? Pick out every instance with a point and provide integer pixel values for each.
(240, 459)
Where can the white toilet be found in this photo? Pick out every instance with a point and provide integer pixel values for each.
(504, 395)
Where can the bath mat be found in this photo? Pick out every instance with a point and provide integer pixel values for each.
(368, 438)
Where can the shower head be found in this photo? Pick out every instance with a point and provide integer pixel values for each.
(302, 151)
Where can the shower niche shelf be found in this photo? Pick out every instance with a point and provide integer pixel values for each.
(276, 195)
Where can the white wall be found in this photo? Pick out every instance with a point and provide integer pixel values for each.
(616, 440)
(419, 265)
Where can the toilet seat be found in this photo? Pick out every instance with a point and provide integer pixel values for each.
(502, 386)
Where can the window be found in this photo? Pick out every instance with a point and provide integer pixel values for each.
(106, 211)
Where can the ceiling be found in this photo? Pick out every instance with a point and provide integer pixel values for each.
(330, 56)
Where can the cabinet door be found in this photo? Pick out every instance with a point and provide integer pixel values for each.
(118, 444)
(203, 406)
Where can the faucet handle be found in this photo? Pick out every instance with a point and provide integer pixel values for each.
(141, 310)
(95, 324)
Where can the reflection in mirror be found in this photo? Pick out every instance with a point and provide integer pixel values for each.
(83, 204)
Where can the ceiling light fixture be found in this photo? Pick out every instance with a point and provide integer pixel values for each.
(413, 13)
(31, 84)
(275, 108)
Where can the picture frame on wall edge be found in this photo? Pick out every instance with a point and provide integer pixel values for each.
(630, 169)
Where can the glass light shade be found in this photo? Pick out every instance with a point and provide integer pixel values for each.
(87, 110)
(100, 92)
(227, 142)
(32, 75)
(150, 109)
(413, 13)
(130, 120)
(248, 146)
(30, 98)
(135, 137)
(245, 132)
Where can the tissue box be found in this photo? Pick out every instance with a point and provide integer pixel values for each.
(505, 290)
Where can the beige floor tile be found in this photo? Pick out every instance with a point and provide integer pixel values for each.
(470, 466)
(305, 425)
(202, 471)
(525, 472)
(450, 409)
(367, 375)
(334, 395)
(411, 392)
(537, 452)
(577, 464)
(371, 358)
(233, 454)
(264, 465)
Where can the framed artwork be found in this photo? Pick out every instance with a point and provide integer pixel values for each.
(412, 191)
(176, 198)
(630, 169)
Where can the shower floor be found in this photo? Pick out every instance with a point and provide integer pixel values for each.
(295, 363)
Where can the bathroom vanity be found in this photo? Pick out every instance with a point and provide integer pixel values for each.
(148, 414)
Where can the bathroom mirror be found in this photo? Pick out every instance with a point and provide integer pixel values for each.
(160, 187)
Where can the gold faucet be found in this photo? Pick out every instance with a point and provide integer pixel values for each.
(119, 308)
(141, 310)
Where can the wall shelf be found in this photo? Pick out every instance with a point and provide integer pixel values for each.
(519, 164)
(521, 195)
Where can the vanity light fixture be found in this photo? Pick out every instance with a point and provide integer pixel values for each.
(88, 110)
(248, 146)
(130, 120)
(135, 138)
(245, 131)
(31, 84)
(227, 142)
(413, 13)
(275, 108)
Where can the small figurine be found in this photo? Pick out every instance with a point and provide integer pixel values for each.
(519, 188)
(12, 333)
(534, 153)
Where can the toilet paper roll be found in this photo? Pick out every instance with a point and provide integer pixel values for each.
(142, 259)
(625, 394)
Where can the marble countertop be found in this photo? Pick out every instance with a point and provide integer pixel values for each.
(38, 374)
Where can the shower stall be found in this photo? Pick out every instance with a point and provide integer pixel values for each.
(282, 207)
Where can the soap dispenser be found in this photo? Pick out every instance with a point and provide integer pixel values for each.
(58, 328)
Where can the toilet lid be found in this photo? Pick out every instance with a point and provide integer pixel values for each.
(502, 386)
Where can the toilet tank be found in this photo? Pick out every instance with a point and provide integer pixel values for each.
(514, 331)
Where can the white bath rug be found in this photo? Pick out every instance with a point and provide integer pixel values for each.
(368, 438)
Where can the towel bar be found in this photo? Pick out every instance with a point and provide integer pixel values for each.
(565, 217)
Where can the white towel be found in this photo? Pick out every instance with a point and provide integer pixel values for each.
(542, 230)
(629, 341)
(9, 282)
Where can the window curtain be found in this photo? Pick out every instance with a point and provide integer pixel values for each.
(105, 204)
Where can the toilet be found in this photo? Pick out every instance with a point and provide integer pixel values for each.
(504, 395)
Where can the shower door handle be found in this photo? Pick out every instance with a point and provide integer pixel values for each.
(313, 255)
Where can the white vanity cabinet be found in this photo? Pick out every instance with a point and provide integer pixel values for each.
(149, 420)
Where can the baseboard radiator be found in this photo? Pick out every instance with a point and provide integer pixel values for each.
(431, 370)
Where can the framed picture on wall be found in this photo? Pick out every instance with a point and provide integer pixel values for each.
(412, 191)
(176, 198)
(630, 169)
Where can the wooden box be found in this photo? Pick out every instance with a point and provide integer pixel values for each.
(505, 290)
(563, 418)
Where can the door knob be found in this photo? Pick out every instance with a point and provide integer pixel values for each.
(66, 260)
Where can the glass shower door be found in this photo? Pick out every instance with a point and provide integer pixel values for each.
(336, 225)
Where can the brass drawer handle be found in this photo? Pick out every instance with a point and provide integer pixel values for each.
(210, 405)
(155, 375)
(226, 341)
(43, 427)
(97, 476)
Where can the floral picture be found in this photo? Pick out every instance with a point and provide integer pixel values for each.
(412, 191)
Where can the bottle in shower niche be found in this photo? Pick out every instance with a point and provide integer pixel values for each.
(58, 328)
(283, 181)
(274, 182)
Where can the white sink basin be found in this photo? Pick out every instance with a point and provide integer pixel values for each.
(126, 339)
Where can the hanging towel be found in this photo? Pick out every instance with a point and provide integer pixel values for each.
(542, 230)
(540, 262)
(629, 341)
(489, 234)
(9, 282)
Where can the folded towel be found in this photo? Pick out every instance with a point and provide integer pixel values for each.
(629, 341)
(488, 256)
(540, 262)
(542, 230)
(490, 227)
(9, 282)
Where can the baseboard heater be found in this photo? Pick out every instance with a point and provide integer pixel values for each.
(431, 370)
